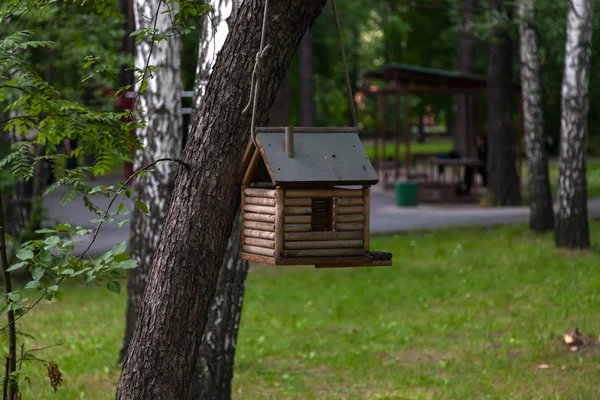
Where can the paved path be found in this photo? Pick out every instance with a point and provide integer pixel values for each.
(386, 217)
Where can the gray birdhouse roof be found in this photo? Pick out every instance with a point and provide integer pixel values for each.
(321, 157)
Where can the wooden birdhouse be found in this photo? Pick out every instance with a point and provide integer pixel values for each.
(305, 198)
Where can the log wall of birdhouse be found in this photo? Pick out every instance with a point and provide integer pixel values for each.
(301, 223)
(325, 223)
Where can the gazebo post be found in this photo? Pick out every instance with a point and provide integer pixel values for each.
(407, 157)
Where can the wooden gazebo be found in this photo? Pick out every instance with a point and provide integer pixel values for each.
(403, 81)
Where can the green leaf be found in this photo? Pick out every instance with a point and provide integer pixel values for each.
(52, 288)
(127, 264)
(122, 257)
(32, 285)
(59, 295)
(63, 227)
(45, 231)
(143, 86)
(14, 296)
(68, 272)
(52, 240)
(142, 206)
(119, 247)
(38, 273)
(114, 286)
(120, 224)
(5, 309)
(24, 254)
(17, 266)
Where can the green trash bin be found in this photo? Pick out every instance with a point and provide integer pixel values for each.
(406, 193)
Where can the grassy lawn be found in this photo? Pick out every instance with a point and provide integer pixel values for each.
(462, 314)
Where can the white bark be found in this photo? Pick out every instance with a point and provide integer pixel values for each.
(542, 214)
(572, 222)
(214, 31)
(160, 105)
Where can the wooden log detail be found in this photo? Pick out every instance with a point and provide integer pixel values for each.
(348, 226)
(260, 201)
(259, 209)
(327, 236)
(259, 217)
(258, 250)
(349, 210)
(269, 244)
(255, 192)
(349, 218)
(296, 228)
(298, 210)
(298, 202)
(324, 252)
(261, 226)
(367, 219)
(259, 234)
(279, 221)
(323, 244)
(297, 219)
(322, 193)
(344, 201)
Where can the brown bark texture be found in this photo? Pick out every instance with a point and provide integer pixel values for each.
(214, 370)
(541, 217)
(572, 226)
(186, 264)
(502, 149)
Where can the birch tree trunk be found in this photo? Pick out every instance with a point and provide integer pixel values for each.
(502, 160)
(161, 137)
(185, 268)
(541, 217)
(572, 227)
(214, 369)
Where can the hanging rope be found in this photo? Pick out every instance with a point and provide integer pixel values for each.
(256, 73)
(259, 70)
(346, 74)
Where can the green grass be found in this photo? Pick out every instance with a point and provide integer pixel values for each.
(433, 146)
(462, 314)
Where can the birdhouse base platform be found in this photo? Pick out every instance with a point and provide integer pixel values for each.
(321, 262)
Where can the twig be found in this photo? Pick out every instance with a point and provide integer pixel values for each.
(97, 229)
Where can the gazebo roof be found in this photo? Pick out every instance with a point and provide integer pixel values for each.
(409, 75)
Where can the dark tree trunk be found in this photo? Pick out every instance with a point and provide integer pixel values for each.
(572, 226)
(464, 122)
(281, 111)
(214, 370)
(307, 80)
(187, 261)
(541, 218)
(502, 148)
(162, 135)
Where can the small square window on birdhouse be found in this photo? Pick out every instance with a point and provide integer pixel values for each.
(305, 198)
